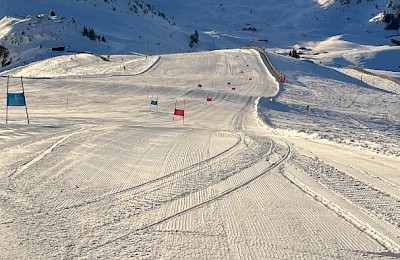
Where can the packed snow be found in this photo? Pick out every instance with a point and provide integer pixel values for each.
(100, 172)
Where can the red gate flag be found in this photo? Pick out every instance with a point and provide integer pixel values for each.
(209, 99)
(179, 112)
(233, 88)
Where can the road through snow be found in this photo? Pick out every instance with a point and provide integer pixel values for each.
(100, 173)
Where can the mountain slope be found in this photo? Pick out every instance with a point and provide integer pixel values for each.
(157, 26)
(30, 29)
(326, 29)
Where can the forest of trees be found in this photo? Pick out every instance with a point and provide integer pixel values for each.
(89, 32)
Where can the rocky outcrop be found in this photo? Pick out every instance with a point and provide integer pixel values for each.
(4, 56)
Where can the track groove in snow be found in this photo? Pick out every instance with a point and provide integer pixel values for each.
(366, 224)
(380, 203)
(242, 179)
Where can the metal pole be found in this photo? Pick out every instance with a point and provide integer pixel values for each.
(26, 106)
(151, 101)
(183, 111)
(173, 117)
(8, 79)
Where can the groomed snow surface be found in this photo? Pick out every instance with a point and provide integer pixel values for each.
(253, 174)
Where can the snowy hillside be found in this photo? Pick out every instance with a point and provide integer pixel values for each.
(29, 30)
(336, 33)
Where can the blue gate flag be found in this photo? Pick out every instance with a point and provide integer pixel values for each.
(154, 102)
(16, 99)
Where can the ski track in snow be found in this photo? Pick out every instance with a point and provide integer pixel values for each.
(108, 176)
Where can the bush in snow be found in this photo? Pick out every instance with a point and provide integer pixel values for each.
(250, 28)
(194, 38)
(293, 53)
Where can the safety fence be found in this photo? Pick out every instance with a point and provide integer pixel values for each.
(279, 75)
(375, 74)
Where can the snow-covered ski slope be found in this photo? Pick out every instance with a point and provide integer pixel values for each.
(100, 173)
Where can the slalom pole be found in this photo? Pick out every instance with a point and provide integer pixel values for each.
(183, 112)
(8, 79)
(26, 105)
(173, 117)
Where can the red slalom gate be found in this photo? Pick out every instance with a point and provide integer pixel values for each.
(179, 111)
